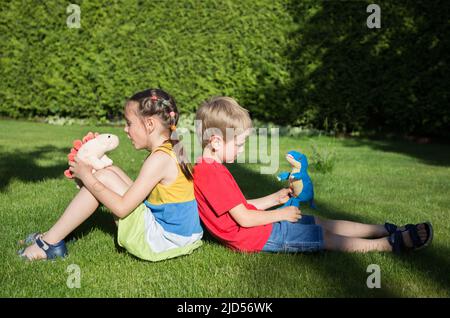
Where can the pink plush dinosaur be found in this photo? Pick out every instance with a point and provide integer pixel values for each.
(91, 149)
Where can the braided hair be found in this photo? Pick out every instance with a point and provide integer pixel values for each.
(155, 101)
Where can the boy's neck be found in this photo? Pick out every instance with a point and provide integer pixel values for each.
(208, 154)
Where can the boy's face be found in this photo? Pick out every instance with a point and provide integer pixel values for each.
(229, 150)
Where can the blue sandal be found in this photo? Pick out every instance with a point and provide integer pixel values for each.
(398, 245)
(51, 250)
(29, 240)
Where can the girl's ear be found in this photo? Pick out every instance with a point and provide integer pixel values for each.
(149, 123)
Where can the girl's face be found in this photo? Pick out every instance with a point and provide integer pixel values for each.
(135, 128)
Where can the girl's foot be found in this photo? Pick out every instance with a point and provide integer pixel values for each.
(41, 249)
(33, 253)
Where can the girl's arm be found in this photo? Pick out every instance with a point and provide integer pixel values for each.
(271, 200)
(152, 172)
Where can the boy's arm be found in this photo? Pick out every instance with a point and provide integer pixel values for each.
(251, 218)
(271, 200)
(264, 203)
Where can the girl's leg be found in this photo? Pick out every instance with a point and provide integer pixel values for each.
(79, 209)
(121, 174)
(352, 229)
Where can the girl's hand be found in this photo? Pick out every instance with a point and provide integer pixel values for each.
(79, 169)
(282, 196)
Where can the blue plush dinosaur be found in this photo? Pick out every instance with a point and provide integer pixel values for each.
(299, 180)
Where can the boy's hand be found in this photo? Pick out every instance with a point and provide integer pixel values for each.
(282, 196)
(291, 214)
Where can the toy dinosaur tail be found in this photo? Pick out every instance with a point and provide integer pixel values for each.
(76, 146)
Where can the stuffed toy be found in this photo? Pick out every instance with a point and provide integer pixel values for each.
(91, 149)
(299, 180)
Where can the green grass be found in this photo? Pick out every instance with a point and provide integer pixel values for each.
(372, 181)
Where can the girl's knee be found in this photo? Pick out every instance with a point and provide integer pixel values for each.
(104, 174)
(111, 168)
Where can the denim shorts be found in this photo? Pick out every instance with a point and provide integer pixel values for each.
(301, 236)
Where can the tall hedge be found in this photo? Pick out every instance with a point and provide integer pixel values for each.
(300, 62)
(193, 49)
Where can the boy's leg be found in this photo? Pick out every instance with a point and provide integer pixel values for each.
(352, 229)
(80, 208)
(335, 242)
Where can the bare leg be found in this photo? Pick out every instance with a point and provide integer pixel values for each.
(79, 209)
(121, 174)
(335, 242)
(352, 229)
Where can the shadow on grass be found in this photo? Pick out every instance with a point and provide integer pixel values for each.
(431, 154)
(345, 270)
(23, 165)
(101, 219)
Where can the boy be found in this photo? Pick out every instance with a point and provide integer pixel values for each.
(245, 225)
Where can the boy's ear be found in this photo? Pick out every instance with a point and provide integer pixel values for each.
(216, 142)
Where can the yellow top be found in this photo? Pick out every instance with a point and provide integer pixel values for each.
(181, 190)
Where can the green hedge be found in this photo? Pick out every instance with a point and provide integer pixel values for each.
(193, 49)
(309, 63)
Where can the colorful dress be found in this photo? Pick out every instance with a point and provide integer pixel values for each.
(167, 224)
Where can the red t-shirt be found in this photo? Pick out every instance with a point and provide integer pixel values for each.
(217, 193)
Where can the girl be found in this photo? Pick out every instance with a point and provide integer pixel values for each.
(158, 216)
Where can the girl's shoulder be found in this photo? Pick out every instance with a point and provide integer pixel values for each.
(166, 162)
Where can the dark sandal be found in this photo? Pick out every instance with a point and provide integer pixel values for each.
(390, 228)
(417, 243)
(51, 250)
(398, 245)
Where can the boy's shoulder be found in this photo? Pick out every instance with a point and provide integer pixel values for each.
(210, 169)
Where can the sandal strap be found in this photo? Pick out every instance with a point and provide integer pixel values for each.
(390, 228)
(52, 250)
(415, 238)
(396, 241)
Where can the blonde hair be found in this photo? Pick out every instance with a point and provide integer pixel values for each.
(220, 113)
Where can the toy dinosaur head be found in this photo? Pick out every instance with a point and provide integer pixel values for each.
(107, 141)
(297, 159)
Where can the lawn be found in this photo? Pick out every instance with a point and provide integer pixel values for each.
(372, 181)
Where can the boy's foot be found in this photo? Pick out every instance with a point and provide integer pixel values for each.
(421, 231)
(411, 237)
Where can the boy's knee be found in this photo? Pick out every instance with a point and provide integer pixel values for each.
(318, 221)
